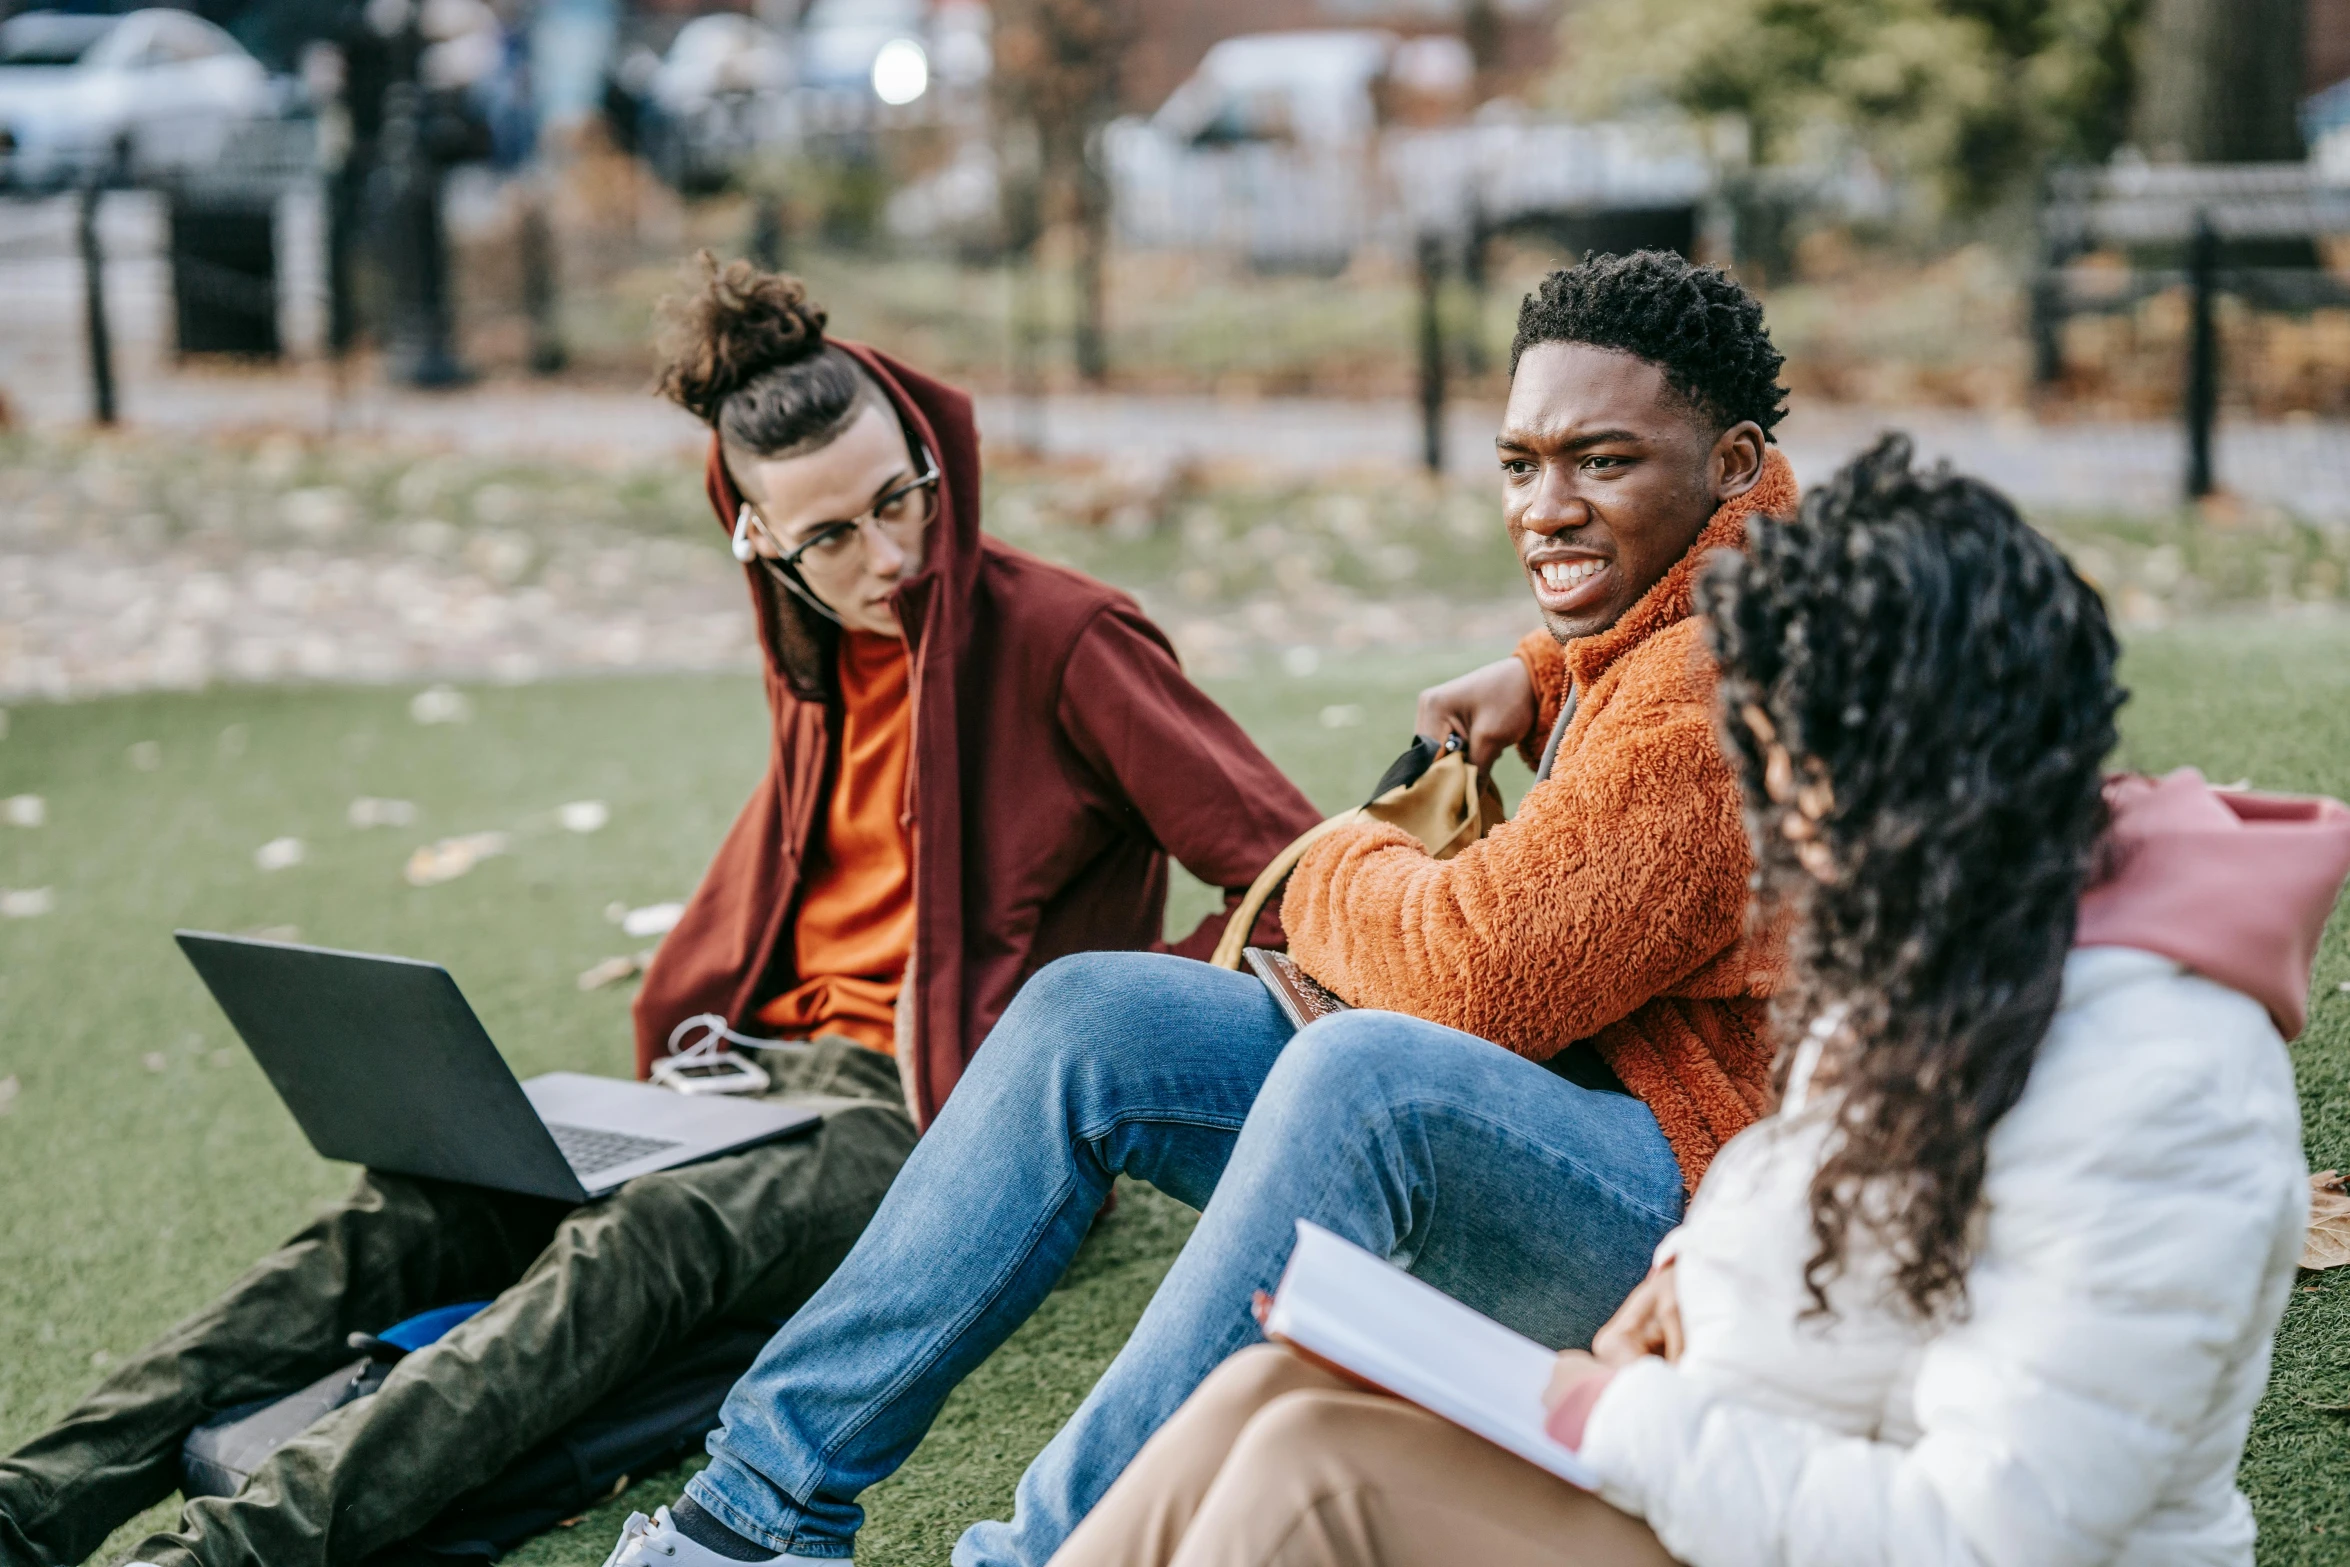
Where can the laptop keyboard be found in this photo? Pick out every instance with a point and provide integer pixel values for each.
(591, 1149)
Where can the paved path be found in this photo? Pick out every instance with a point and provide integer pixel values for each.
(2070, 466)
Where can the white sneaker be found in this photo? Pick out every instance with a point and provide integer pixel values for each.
(656, 1542)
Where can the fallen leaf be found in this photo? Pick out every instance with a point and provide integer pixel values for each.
(146, 755)
(368, 811)
(440, 705)
(26, 903)
(155, 1061)
(613, 970)
(273, 933)
(584, 815)
(452, 857)
(24, 810)
(654, 919)
(2328, 1242)
(280, 854)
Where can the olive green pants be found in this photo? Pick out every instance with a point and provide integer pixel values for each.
(585, 1298)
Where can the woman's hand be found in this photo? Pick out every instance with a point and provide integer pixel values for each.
(1572, 1366)
(1491, 709)
(1648, 1323)
(1577, 1380)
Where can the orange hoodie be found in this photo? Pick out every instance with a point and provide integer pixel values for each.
(1611, 913)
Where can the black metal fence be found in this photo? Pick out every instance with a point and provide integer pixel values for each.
(2249, 230)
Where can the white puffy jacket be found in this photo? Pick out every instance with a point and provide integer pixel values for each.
(2144, 1204)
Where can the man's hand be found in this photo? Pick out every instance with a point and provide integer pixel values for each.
(1491, 709)
(1648, 1323)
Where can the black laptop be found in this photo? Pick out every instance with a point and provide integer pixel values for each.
(383, 1064)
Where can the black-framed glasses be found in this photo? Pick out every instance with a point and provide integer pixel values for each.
(903, 508)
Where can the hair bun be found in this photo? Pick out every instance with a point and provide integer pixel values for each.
(738, 325)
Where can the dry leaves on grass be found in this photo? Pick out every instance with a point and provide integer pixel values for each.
(452, 857)
(613, 970)
(24, 903)
(369, 811)
(440, 705)
(280, 854)
(2328, 1245)
(654, 919)
(584, 815)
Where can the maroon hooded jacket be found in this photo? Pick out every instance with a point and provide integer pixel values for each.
(1059, 757)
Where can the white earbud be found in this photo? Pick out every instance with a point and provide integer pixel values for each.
(742, 536)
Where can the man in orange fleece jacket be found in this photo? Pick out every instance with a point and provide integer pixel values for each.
(1608, 920)
(1599, 940)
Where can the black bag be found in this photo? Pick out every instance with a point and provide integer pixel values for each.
(647, 1424)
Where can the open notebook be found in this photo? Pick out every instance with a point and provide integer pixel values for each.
(1368, 1318)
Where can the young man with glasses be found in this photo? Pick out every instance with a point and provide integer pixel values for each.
(979, 763)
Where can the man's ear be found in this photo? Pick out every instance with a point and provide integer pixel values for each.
(1737, 460)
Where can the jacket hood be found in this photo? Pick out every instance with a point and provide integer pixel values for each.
(799, 643)
(2235, 885)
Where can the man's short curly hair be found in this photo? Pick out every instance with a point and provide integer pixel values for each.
(1694, 323)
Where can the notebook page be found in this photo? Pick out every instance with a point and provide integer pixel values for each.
(1365, 1315)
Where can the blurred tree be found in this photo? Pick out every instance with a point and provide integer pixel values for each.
(2222, 80)
(1969, 96)
(1057, 84)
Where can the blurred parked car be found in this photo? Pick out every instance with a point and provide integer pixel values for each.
(719, 94)
(140, 95)
(1316, 88)
(1295, 149)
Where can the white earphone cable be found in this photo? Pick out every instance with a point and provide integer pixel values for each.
(717, 1036)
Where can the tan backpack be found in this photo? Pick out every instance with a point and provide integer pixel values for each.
(1430, 792)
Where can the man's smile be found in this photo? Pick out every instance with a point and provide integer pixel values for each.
(1569, 584)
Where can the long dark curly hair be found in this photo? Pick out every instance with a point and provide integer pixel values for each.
(1918, 692)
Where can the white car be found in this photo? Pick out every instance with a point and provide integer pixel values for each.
(716, 56)
(142, 94)
(715, 99)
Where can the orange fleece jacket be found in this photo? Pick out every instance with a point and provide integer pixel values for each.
(1611, 912)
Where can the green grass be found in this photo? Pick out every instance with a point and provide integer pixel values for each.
(146, 1161)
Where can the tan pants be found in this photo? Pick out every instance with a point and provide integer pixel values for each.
(1273, 1463)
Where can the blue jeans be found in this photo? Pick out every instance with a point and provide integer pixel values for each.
(1531, 1198)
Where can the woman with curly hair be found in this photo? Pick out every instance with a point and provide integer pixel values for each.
(1997, 1281)
(979, 763)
